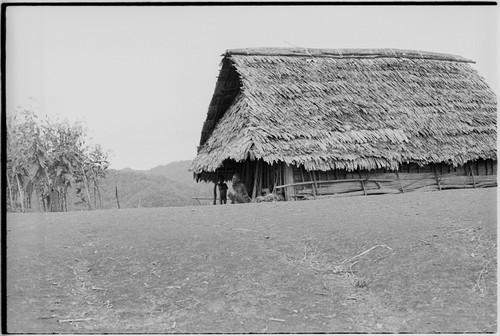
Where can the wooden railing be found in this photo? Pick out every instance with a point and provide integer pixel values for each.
(314, 184)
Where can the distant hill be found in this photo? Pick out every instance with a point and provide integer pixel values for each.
(179, 171)
(162, 186)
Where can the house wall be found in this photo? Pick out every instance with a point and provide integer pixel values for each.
(410, 177)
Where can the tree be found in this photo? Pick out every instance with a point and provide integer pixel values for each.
(48, 158)
(93, 172)
(25, 158)
(65, 154)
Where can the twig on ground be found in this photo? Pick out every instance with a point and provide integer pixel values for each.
(365, 252)
(98, 289)
(350, 266)
(305, 253)
(459, 230)
(197, 303)
(423, 241)
(245, 230)
(75, 320)
(319, 293)
(478, 283)
(276, 319)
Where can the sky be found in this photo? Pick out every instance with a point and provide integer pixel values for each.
(141, 78)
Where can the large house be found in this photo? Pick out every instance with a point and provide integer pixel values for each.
(315, 122)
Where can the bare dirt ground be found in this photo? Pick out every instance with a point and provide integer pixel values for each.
(417, 262)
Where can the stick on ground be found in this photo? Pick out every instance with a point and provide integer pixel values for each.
(365, 252)
(76, 320)
(478, 284)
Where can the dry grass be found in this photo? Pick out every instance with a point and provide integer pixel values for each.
(316, 266)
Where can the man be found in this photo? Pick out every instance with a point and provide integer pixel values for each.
(222, 190)
(240, 191)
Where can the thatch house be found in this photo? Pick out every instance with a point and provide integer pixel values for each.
(328, 122)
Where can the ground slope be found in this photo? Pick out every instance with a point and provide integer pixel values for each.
(417, 262)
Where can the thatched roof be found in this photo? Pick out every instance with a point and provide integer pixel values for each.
(347, 109)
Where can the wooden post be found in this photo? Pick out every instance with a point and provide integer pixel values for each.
(301, 178)
(314, 186)
(116, 191)
(437, 177)
(215, 193)
(362, 182)
(275, 177)
(268, 170)
(256, 180)
(401, 184)
(288, 179)
(363, 186)
(472, 173)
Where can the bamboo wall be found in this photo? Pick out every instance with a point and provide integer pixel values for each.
(410, 177)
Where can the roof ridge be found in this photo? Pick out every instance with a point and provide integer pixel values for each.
(347, 53)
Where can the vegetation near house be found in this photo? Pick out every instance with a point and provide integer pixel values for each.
(46, 159)
(314, 122)
(52, 167)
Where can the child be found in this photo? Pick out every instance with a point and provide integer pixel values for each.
(222, 190)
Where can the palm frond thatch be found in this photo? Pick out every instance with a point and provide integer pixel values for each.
(347, 109)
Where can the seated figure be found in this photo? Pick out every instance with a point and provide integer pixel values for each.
(240, 194)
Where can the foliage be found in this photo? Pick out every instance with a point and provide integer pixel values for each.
(51, 167)
(45, 158)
